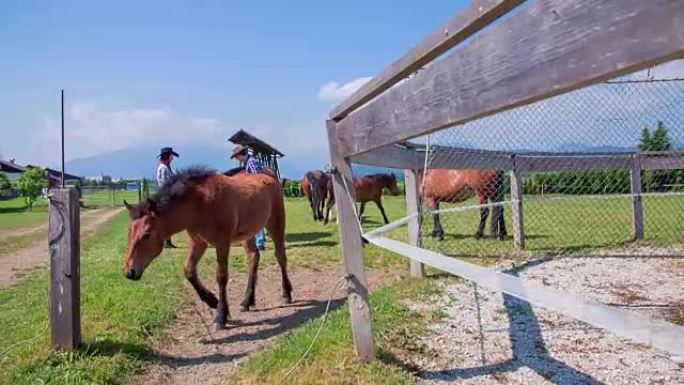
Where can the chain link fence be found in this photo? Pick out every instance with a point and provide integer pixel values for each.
(595, 168)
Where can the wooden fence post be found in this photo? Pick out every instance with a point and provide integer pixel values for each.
(350, 235)
(65, 291)
(637, 205)
(412, 207)
(517, 210)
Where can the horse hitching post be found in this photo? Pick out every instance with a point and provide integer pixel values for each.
(64, 246)
(350, 235)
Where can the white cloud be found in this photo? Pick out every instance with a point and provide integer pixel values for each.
(669, 70)
(334, 92)
(91, 130)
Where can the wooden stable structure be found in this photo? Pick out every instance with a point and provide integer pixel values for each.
(267, 154)
(546, 48)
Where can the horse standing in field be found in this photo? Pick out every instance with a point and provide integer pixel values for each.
(315, 188)
(368, 189)
(455, 186)
(214, 210)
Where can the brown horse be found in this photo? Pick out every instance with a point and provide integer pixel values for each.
(454, 186)
(315, 188)
(368, 188)
(214, 210)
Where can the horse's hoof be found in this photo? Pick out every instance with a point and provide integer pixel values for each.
(244, 308)
(220, 325)
(478, 236)
(287, 299)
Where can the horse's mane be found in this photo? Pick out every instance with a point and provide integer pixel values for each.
(176, 187)
(382, 177)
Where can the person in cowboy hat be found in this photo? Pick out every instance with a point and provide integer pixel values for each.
(252, 166)
(164, 173)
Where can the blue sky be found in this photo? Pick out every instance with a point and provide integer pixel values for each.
(137, 72)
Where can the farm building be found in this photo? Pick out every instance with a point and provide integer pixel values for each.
(267, 154)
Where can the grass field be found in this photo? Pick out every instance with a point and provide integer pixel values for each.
(13, 214)
(118, 316)
(110, 197)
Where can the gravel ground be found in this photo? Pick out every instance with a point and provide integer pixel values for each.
(488, 338)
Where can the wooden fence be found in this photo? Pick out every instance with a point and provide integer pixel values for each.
(545, 48)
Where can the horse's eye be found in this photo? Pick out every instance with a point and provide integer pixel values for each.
(146, 235)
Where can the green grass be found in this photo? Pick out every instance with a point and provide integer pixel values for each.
(564, 223)
(117, 316)
(110, 197)
(332, 359)
(14, 215)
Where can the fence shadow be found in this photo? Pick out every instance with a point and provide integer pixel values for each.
(527, 343)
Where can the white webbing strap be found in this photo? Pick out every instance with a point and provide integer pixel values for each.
(636, 327)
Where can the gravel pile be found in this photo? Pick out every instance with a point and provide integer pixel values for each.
(487, 338)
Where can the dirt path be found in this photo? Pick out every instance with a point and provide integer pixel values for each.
(22, 231)
(13, 265)
(195, 353)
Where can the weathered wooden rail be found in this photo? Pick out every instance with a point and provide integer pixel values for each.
(548, 47)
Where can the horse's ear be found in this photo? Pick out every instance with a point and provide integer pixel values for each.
(151, 206)
(133, 211)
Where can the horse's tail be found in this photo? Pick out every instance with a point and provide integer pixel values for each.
(315, 192)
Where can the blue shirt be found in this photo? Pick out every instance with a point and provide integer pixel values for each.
(252, 165)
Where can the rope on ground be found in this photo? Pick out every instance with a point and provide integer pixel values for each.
(4, 353)
(342, 281)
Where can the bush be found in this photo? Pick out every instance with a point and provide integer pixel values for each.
(29, 185)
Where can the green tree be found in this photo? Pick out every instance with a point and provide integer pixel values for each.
(4, 181)
(29, 184)
(645, 141)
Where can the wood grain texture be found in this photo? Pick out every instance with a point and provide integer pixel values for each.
(391, 156)
(352, 253)
(476, 16)
(412, 207)
(64, 247)
(548, 48)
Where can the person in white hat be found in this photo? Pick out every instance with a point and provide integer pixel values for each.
(163, 175)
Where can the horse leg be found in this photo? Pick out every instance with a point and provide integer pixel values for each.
(252, 252)
(313, 208)
(382, 210)
(484, 212)
(502, 225)
(196, 249)
(276, 227)
(361, 210)
(437, 230)
(328, 207)
(222, 313)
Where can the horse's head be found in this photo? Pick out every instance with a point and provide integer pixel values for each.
(392, 184)
(144, 241)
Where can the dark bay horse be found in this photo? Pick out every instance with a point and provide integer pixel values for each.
(454, 186)
(368, 189)
(315, 188)
(214, 210)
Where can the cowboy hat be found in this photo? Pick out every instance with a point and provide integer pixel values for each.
(167, 150)
(237, 150)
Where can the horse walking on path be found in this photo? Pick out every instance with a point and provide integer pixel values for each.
(315, 188)
(455, 186)
(368, 189)
(215, 210)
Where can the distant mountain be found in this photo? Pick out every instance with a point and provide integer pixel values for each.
(141, 161)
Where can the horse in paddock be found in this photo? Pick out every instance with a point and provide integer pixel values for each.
(215, 210)
(315, 188)
(368, 189)
(454, 186)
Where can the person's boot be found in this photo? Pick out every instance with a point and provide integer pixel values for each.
(169, 245)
